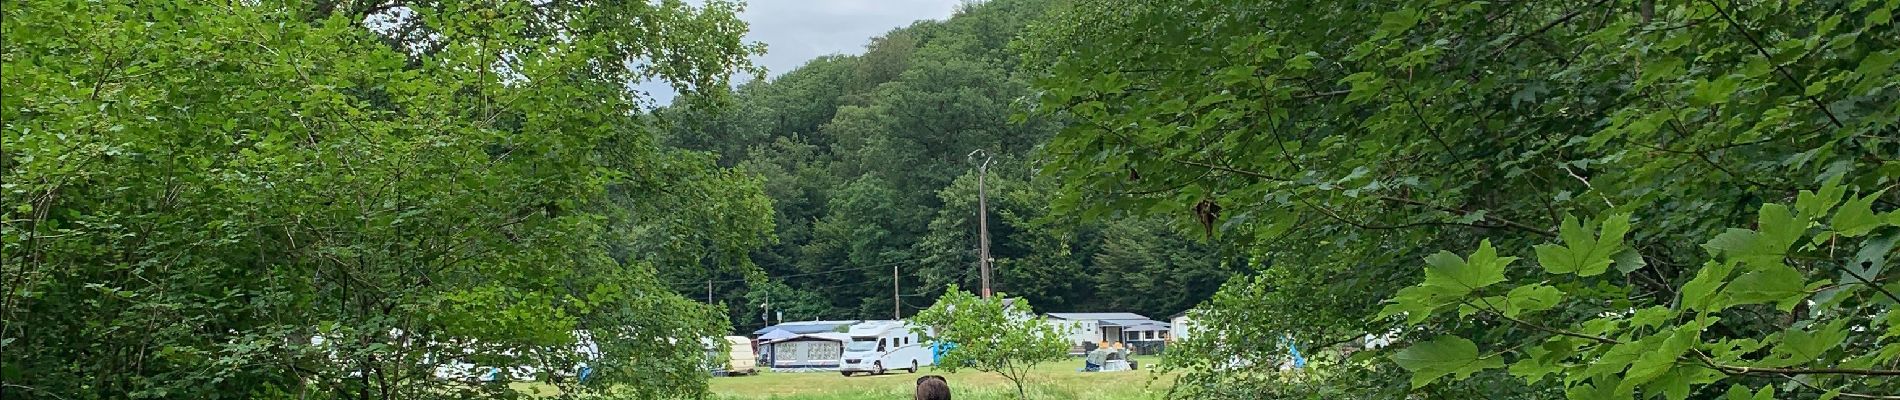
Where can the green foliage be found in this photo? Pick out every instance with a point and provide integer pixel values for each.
(1662, 351)
(991, 335)
(325, 200)
(1234, 349)
(866, 161)
(1445, 355)
(1583, 253)
(1340, 142)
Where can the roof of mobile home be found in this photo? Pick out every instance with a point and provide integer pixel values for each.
(827, 336)
(1098, 316)
(878, 327)
(1130, 322)
(807, 327)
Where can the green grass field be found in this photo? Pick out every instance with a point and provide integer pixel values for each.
(1048, 381)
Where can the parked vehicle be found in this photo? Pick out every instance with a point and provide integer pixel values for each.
(737, 359)
(877, 347)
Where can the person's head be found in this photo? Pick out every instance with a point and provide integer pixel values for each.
(932, 387)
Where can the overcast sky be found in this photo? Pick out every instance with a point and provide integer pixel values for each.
(796, 31)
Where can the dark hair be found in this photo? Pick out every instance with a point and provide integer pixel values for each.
(932, 387)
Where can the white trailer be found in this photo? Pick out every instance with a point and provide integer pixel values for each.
(877, 347)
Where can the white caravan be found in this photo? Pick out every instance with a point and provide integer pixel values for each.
(880, 346)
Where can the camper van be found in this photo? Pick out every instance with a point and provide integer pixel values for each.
(877, 347)
(738, 359)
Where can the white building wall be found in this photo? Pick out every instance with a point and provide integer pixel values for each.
(1078, 332)
(1180, 326)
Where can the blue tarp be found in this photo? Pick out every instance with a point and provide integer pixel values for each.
(937, 349)
(1298, 361)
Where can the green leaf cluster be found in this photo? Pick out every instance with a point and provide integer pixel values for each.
(1716, 165)
(999, 334)
(350, 199)
(1669, 351)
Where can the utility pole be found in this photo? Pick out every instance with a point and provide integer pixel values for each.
(982, 219)
(708, 291)
(897, 303)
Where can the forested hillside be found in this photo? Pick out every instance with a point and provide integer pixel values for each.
(866, 159)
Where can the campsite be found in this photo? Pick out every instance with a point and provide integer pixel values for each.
(1030, 199)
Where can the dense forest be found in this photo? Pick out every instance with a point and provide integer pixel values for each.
(867, 160)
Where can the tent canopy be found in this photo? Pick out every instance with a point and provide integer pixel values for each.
(1134, 324)
(1144, 328)
(777, 334)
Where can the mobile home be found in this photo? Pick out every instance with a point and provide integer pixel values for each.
(881, 346)
(808, 352)
(1085, 329)
(1181, 326)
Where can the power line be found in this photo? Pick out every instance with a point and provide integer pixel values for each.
(841, 285)
(845, 269)
(857, 268)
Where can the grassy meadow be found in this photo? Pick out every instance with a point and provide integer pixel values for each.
(1057, 380)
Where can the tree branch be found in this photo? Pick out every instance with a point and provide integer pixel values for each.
(1740, 370)
(1335, 215)
(1555, 331)
(1553, 24)
(1706, 360)
(1224, 168)
(1798, 85)
(1842, 394)
(1869, 282)
(1488, 217)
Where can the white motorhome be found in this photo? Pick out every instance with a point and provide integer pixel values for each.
(881, 346)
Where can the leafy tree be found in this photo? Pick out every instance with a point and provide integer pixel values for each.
(342, 199)
(1150, 269)
(1339, 142)
(794, 304)
(991, 335)
(696, 222)
(1034, 260)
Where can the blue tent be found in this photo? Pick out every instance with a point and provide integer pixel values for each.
(1298, 361)
(937, 349)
